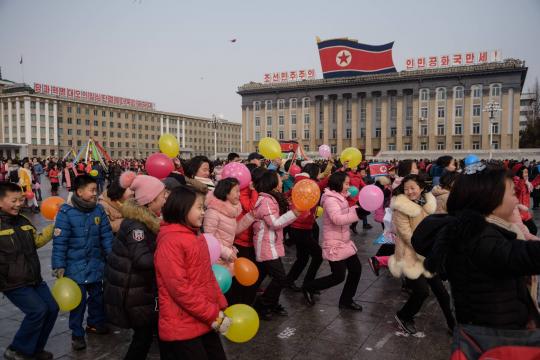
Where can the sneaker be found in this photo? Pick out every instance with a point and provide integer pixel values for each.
(367, 226)
(308, 295)
(352, 306)
(12, 354)
(374, 265)
(44, 355)
(78, 343)
(279, 310)
(406, 325)
(97, 329)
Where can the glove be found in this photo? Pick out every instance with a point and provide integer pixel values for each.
(58, 273)
(222, 323)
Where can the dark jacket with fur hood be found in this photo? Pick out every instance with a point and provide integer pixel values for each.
(486, 266)
(130, 280)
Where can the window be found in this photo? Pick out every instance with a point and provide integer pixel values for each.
(348, 133)
(281, 104)
(281, 120)
(377, 132)
(408, 131)
(424, 113)
(281, 135)
(407, 146)
(70, 131)
(268, 121)
(476, 128)
(87, 132)
(87, 122)
(423, 130)
(423, 146)
(78, 131)
(306, 119)
(334, 134)
(457, 145)
(477, 92)
(321, 133)
(257, 135)
(392, 147)
(476, 110)
(440, 112)
(495, 128)
(495, 145)
(458, 92)
(495, 90)
(69, 109)
(268, 105)
(78, 121)
(440, 145)
(457, 129)
(476, 145)
(293, 134)
(293, 103)
(293, 119)
(257, 121)
(269, 133)
(256, 105)
(306, 147)
(440, 129)
(459, 111)
(393, 131)
(306, 134)
(424, 94)
(306, 103)
(103, 113)
(78, 109)
(96, 123)
(441, 94)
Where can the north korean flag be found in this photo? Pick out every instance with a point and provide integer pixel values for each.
(378, 169)
(344, 58)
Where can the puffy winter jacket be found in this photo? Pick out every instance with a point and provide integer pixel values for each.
(268, 228)
(248, 199)
(81, 242)
(355, 179)
(189, 295)
(441, 196)
(336, 243)
(220, 221)
(130, 290)
(113, 209)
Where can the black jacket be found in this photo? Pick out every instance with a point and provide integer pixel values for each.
(130, 289)
(19, 261)
(486, 267)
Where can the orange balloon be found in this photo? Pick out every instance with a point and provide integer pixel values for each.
(245, 271)
(305, 194)
(51, 206)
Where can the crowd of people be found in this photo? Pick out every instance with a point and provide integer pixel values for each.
(135, 248)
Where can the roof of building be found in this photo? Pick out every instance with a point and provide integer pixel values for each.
(489, 68)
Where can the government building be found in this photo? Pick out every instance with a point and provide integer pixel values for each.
(436, 111)
(52, 121)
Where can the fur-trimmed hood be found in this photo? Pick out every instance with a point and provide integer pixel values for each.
(438, 191)
(130, 210)
(402, 204)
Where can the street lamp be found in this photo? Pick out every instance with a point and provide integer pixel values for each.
(491, 107)
(216, 121)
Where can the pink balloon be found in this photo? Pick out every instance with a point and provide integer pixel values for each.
(214, 247)
(238, 171)
(371, 198)
(324, 151)
(159, 165)
(294, 170)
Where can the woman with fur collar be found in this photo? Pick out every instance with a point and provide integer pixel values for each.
(112, 200)
(130, 289)
(410, 205)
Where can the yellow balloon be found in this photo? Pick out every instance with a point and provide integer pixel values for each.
(94, 173)
(66, 293)
(168, 145)
(270, 148)
(245, 323)
(320, 211)
(352, 155)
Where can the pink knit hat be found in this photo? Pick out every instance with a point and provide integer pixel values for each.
(146, 188)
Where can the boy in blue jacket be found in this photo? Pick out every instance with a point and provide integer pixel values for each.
(82, 240)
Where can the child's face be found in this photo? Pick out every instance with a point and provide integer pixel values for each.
(234, 195)
(195, 215)
(346, 186)
(88, 193)
(12, 202)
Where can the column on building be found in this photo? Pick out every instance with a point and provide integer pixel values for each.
(245, 130)
(312, 124)
(3, 125)
(275, 120)
(55, 123)
(18, 119)
(27, 121)
(355, 116)
(326, 120)
(505, 127)
(183, 133)
(38, 118)
(449, 114)
(467, 124)
(415, 124)
(339, 122)
(514, 109)
(178, 130)
(485, 125)
(369, 123)
(47, 125)
(168, 125)
(10, 122)
(384, 120)
(161, 125)
(432, 121)
(399, 120)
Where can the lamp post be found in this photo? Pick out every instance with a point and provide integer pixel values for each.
(216, 121)
(491, 107)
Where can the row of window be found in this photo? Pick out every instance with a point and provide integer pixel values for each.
(293, 104)
(440, 93)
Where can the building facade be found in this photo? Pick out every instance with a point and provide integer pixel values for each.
(422, 110)
(42, 125)
(528, 108)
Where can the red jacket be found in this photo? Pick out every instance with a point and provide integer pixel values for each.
(524, 195)
(248, 199)
(53, 176)
(355, 179)
(189, 295)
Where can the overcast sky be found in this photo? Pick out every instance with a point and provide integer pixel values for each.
(177, 53)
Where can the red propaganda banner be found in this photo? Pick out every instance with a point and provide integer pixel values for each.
(344, 57)
(378, 169)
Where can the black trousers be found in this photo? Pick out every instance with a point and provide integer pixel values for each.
(420, 292)
(386, 250)
(240, 294)
(276, 271)
(339, 269)
(204, 347)
(531, 226)
(141, 343)
(306, 246)
(536, 198)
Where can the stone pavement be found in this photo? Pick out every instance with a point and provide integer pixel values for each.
(319, 332)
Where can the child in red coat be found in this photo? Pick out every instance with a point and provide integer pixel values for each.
(190, 300)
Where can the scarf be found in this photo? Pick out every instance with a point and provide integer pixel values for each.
(82, 205)
(421, 200)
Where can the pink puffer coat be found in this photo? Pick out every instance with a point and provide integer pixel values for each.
(337, 244)
(220, 221)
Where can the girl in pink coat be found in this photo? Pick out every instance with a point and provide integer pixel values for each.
(271, 214)
(337, 246)
(223, 207)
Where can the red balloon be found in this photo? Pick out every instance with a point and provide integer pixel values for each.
(159, 165)
(294, 170)
(29, 195)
